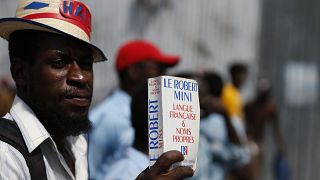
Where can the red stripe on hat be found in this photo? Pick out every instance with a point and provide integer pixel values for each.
(58, 16)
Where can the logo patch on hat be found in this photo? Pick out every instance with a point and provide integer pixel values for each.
(36, 5)
(77, 11)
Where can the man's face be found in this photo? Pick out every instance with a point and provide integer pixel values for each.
(60, 84)
(149, 68)
(240, 79)
(208, 103)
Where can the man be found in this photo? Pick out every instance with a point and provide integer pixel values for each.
(233, 103)
(112, 133)
(216, 130)
(51, 63)
(135, 158)
(259, 113)
(231, 96)
(232, 99)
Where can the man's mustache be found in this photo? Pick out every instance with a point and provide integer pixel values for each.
(74, 92)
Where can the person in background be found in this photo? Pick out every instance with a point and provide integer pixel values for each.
(232, 99)
(231, 95)
(259, 113)
(135, 158)
(233, 102)
(211, 105)
(219, 148)
(112, 133)
(224, 145)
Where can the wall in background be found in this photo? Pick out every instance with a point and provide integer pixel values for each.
(289, 56)
(207, 34)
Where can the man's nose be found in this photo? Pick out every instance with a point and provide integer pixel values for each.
(77, 76)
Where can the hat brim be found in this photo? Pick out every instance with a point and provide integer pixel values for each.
(168, 61)
(9, 25)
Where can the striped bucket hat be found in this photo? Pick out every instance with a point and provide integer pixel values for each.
(67, 17)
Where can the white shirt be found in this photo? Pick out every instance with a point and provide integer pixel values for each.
(13, 165)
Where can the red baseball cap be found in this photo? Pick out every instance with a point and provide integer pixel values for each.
(140, 50)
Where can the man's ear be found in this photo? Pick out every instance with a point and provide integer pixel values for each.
(20, 71)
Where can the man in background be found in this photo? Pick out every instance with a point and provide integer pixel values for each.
(260, 112)
(232, 98)
(137, 60)
(135, 158)
(231, 95)
(220, 149)
(234, 105)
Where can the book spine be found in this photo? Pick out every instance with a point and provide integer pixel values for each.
(155, 126)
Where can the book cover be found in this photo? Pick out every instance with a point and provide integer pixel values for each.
(174, 118)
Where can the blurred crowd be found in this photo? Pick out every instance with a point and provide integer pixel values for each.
(231, 142)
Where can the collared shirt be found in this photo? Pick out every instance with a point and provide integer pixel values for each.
(214, 128)
(128, 167)
(13, 165)
(112, 132)
(214, 139)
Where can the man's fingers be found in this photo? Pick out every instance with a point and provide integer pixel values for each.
(164, 162)
(160, 170)
(180, 173)
(142, 175)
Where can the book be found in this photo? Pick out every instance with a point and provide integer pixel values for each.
(173, 118)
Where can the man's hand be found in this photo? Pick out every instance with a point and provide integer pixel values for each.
(160, 170)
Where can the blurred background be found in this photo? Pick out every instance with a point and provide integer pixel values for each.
(278, 40)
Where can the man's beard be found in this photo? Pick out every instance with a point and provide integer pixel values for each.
(59, 125)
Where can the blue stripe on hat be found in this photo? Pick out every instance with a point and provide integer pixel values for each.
(36, 5)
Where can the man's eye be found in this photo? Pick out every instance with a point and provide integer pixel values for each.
(58, 63)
